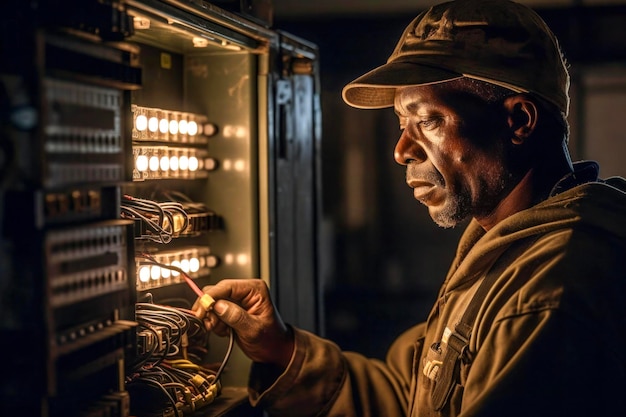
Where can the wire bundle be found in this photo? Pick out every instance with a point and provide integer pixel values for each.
(173, 343)
(182, 198)
(172, 364)
(158, 219)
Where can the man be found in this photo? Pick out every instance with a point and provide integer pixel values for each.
(531, 319)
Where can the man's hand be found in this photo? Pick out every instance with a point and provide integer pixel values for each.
(245, 306)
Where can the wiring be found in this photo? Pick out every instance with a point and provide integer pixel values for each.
(163, 333)
(231, 342)
(201, 218)
(171, 358)
(158, 221)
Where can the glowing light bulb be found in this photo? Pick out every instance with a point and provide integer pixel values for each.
(242, 259)
(210, 164)
(165, 273)
(192, 128)
(210, 129)
(194, 264)
(163, 125)
(155, 272)
(154, 163)
(177, 265)
(183, 162)
(141, 123)
(153, 124)
(193, 163)
(141, 163)
(212, 261)
(182, 127)
(144, 274)
(240, 165)
(164, 163)
(184, 265)
(174, 163)
(173, 127)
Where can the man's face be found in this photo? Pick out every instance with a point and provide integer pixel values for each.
(453, 146)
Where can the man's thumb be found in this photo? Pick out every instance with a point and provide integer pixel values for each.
(220, 308)
(230, 313)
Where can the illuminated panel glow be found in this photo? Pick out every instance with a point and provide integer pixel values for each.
(193, 163)
(162, 162)
(141, 122)
(154, 124)
(192, 128)
(141, 163)
(196, 261)
(173, 127)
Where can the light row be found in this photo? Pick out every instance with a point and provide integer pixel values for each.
(195, 262)
(173, 126)
(155, 162)
(165, 163)
(168, 125)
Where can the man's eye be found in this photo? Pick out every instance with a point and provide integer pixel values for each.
(430, 124)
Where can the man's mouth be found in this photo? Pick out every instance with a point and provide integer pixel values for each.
(421, 189)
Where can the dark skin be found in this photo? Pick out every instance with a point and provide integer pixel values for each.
(469, 158)
(464, 157)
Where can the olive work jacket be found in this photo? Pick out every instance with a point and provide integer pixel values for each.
(549, 338)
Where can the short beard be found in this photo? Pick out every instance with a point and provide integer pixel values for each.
(456, 210)
(459, 206)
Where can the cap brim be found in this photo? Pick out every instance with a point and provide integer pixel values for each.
(377, 88)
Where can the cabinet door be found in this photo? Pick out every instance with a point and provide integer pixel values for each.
(295, 281)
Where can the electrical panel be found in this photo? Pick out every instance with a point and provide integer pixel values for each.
(148, 148)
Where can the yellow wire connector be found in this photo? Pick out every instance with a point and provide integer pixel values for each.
(202, 305)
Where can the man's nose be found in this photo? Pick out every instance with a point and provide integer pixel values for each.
(408, 150)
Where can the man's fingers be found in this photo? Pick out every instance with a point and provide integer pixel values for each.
(233, 299)
(226, 314)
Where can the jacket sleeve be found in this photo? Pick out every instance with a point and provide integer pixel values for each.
(321, 380)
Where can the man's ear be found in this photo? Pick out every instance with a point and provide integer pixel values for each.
(522, 117)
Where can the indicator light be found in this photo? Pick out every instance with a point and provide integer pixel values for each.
(153, 124)
(141, 123)
(141, 163)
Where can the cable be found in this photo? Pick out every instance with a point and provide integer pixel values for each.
(165, 331)
(157, 218)
(164, 236)
(229, 350)
(160, 387)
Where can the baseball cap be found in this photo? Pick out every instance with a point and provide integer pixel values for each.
(497, 41)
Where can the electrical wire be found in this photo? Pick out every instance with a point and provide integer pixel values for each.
(174, 332)
(229, 350)
(161, 230)
(161, 366)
